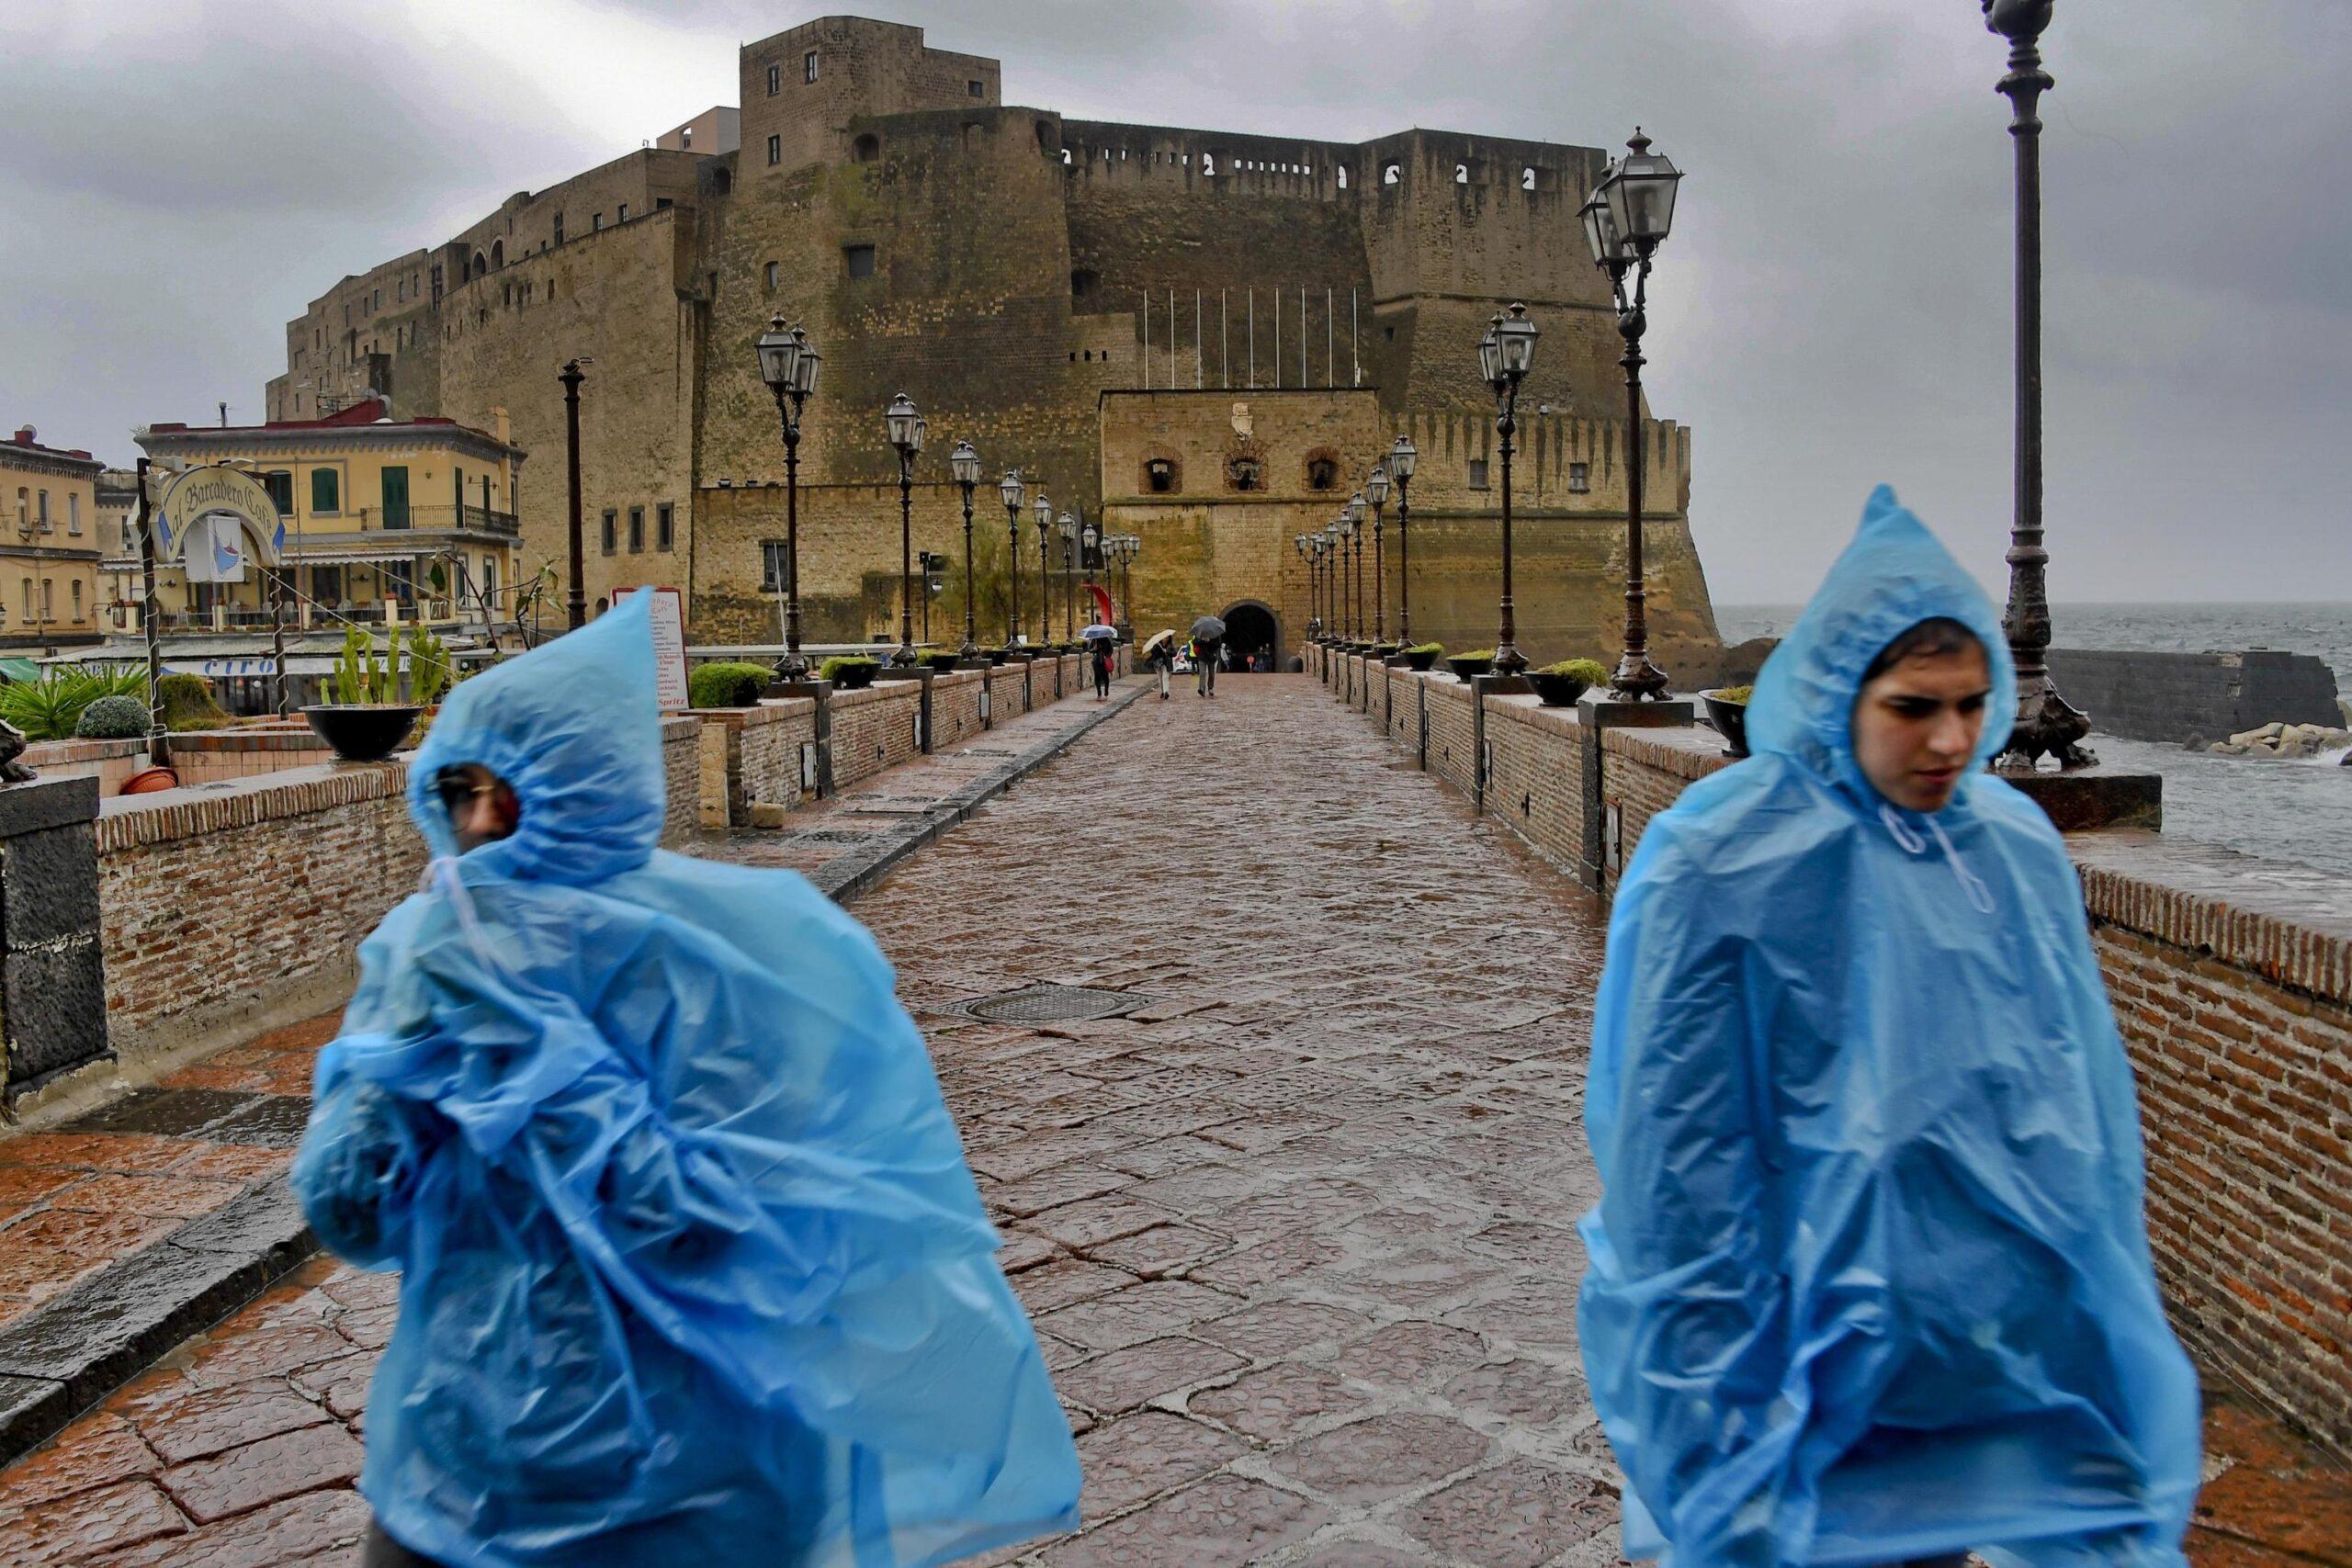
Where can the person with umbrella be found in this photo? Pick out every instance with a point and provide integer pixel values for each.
(1208, 639)
(1102, 643)
(1159, 656)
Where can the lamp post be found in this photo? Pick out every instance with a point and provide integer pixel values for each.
(1130, 546)
(1376, 491)
(1044, 581)
(1068, 527)
(1090, 546)
(905, 427)
(964, 462)
(575, 604)
(788, 364)
(1402, 458)
(1356, 509)
(1014, 493)
(1298, 543)
(2044, 723)
(1504, 355)
(1626, 218)
(1337, 630)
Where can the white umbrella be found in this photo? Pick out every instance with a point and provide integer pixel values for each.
(1097, 631)
(1158, 637)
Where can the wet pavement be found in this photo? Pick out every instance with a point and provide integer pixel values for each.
(1294, 1220)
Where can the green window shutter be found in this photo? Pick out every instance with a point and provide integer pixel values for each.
(326, 490)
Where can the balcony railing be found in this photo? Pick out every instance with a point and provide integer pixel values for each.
(444, 519)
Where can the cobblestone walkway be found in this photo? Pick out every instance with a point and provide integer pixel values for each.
(1295, 1223)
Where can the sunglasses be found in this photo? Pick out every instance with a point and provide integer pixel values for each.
(458, 792)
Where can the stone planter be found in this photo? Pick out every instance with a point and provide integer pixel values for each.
(362, 732)
(856, 677)
(1558, 691)
(1730, 720)
(1469, 669)
(1422, 660)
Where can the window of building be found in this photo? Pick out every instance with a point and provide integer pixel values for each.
(636, 530)
(978, 89)
(860, 259)
(28, 597)
(46, 526)
(768, 275)
(865, 149)
(280, 485)
(77, 599)
(1322, 473)
(1392, 174)
(436, 283)
(1343, 176)
(48, 603)
(326, 491)
(1579, 478)
(624, 213)
(612, 530)
(775, 80)
(595, 221)
(1083, 282)
(327, 584)
(722, 180)
(772, 562)
(661, 204)
(559, 228)
(1159, 475)
(1477, 473)
(665, 526)
(1242, 473)
(775, 151)
(74, 515)
(809, 67)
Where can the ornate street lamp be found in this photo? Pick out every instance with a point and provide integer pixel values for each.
(2044, 724)
(788, 364)
(1504, 355)
(1402, 458)
(905, 427)
(1353, 508)
(1068, 527)
(575, 604)
(1298, 543)
(1014, 493)
(1376, 491)
(1338, 631)
(1045, 511)
(1625, 221)
(964, 462)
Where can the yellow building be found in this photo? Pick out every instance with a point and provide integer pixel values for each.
(49, 545)
(384, 519)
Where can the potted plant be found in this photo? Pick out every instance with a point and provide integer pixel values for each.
(1727, 711)
(1423, 656)
(1559, 686)
(1467, 667)
(727, 685)
(1384, 651)
(942, 659)
(849, 672)
(365, 718)
(116, 718)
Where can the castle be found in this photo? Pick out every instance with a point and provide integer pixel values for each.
(1203, 339)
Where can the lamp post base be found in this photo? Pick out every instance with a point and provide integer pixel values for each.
(1508, 660)
(1637, 679)
(2047, 725)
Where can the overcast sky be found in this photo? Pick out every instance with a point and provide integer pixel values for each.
(180, 176)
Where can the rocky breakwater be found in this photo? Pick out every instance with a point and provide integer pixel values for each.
(2289, 742)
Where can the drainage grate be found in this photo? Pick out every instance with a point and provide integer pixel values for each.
(1052, 1004)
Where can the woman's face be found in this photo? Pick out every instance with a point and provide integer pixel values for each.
(1916, 727)
(481, 806)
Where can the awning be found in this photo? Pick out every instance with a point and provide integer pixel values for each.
(23, 671)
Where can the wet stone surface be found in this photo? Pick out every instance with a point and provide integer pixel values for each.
(1298, 1230)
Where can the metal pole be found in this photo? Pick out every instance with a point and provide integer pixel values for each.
(576, 603)
(1404, 561)
(1379, 582)
(905, 656)
(794, 668)
(971, 649)
(2044, 723)
(158, 745)
(1636, 677)
(1045, 589)
(1012, 576)
(1508, 660)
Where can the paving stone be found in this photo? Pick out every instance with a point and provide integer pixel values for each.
(1065, 1280)
(1381, 1455)
(1521, 1394)
(236, 1358)
(1273, 1329)
(1519, 1514)
(1227, 1520)
(308, 1531)
(1080, 1225)
(248, 1477)
(1141, 1312)
(1142, 1455)
(205, 1421)
(1059, 1185)
(1411, 1353)
(2311, 1515)
(1281, 1403)
(73, 1529)
(168, 1195)
(98, 1451)
(1123, 1380)
(1356, 1552)
(1162, 1250)
(341, 1386)
(1268, 1262)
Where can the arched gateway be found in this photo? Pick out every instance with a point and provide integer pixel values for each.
(1253, 637)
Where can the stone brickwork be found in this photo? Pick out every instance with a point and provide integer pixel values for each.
(203, 757)
(752, 754)
(2205, 697)
(874, 730)
(108, 762)
(1008, 269)
(53, 1020)
(680, 778)
(2231, 980)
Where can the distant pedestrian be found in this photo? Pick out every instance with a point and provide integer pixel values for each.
(692, 1269)
(1104, 655)
(1869, 1278)
(1206, 651)
(1162, 661)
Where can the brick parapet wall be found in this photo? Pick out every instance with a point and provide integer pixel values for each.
(109, 761)
(956, 706)
(750, 754)
(874, 730)
(2231, 980)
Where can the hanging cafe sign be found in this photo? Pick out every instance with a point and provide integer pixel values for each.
(213, 519)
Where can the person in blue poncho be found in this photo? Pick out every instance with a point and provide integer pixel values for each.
(693, 1271)
(1869, 1280)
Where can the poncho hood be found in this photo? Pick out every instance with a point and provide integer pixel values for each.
(575, 727)
(1892, 576)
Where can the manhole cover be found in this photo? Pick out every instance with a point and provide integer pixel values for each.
(1051, 1004)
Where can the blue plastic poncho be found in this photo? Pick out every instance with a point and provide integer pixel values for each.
(1868, 1279)
(693, 1269)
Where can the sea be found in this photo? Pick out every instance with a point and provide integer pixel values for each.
(2281, 810)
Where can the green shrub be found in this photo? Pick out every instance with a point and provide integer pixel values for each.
(727, 685)
(1486, 653)
(113, 718)
(49, 708)
(1435, 650)
(429, 673)
(1588, 671)
(1736, 694)
(189, 704)
(830, 670)
(942, 659)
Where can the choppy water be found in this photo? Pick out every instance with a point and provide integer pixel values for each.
(2291, 810)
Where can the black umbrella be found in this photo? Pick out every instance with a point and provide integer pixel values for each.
(1208, 628)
